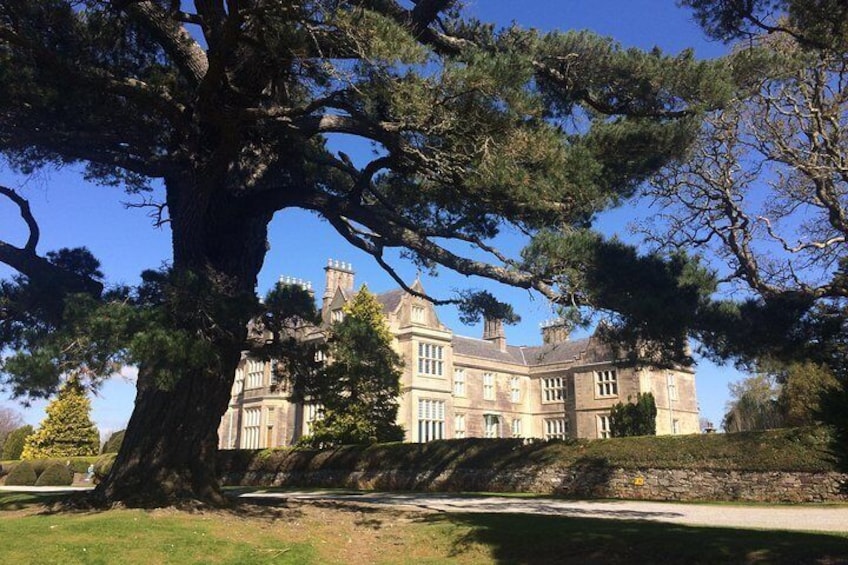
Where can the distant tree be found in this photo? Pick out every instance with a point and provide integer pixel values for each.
(634, 418)
(360, 386)
(753, 405)
(14, 445)
(67, 430)
(113, 444)
(9, 420)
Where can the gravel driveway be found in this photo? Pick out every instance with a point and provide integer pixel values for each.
(774, 517)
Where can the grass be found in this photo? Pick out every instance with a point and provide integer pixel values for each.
(325, 532)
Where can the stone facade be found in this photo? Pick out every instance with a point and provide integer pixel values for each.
(455, 386)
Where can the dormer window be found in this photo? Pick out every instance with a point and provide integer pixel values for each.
(337, 315)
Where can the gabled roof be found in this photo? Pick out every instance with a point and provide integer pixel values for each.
(391, 300)
(551, 353)
(482, 349)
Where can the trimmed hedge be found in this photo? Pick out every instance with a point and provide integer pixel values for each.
(796, 449)
(23, 475)
(56, 474)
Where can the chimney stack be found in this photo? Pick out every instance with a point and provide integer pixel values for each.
(554, 331)
(338, 275)
(493, 331)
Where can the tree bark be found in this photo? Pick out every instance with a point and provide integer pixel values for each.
(169, 451)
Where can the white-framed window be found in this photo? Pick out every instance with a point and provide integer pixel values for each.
(431, 359)
(488, 386)
(556, 428)
(417, 314)
(312, 412)
(606, 383)
(516, 427)
(515, 389)
(320, 356)
(672, 386)
(252, 417)
(238, 385)
(337, 315)
(459, 382)
(604, 426)
(553, 389)
(459, 426)
(491, 426)
(431, 419)
(255, 374)
(675, 427)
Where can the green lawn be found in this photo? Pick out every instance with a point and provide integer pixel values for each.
(332, 533)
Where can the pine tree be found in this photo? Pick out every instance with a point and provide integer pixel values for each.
(634, 419)
(67, 431)
(359, 388)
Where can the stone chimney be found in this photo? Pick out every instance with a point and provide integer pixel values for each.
(338, 275)
(493, 331)
(554, 331)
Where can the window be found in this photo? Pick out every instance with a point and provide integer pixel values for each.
(255, 374)
(604, 427)
(431, 419)
(491, 426)
(488, 386)
(553, 389)
(516, 427)
(239, 382)
(459, 426)
(337, 315)
(675, 427)
(320, 356)
(515, 389)
(606, 383)
(556, 428)
(430, 359)
(251, 428)
(459, 382)
(418, 314)
(672, 386)
(312, 413)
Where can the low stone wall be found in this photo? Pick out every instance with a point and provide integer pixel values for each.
(580, 481)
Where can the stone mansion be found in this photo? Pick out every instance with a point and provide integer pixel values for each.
(456, 387)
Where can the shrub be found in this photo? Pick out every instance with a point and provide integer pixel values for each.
(113, 444)
(56, 474)
(15, 442)
(103, 466)
(22, 475)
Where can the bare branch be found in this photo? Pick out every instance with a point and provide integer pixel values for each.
(26, 214)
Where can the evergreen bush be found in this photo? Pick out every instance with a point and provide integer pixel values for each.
(22, 475)
(103, 466)
(67, 430)
(56, 474)
(15, 442)
(113, 444)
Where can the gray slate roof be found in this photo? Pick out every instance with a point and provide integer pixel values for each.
(391, 299)
(547, 354)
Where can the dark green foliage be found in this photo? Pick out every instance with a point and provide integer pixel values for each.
(14, 445)
(22, 474)
(103, 466)
(798, 449)
(56, 474)
(634, 418)
(113, 444)
(359, 388)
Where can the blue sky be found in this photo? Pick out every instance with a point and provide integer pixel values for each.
(74, 213)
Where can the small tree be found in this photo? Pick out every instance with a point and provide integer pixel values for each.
(14, 445)
(9, 420)
(360, 386)
(754, 405)
(67, 430)
(634, 419)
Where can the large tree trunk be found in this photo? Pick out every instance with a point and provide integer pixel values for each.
(168, 454)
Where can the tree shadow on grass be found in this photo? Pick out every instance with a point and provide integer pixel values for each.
(528, 539)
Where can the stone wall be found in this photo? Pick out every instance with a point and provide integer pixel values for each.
(579, 481)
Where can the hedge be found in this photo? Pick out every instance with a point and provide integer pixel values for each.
(56, 474)
(22, 475)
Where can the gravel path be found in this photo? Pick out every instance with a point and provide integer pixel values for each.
(783, 517)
